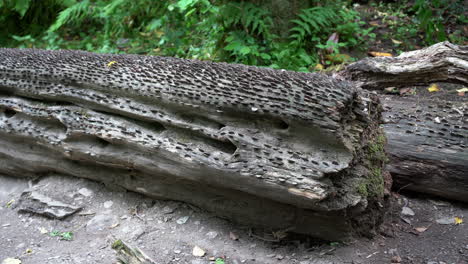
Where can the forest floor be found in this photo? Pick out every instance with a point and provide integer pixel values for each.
(167, 231)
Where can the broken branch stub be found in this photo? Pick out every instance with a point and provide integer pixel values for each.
(260, 146)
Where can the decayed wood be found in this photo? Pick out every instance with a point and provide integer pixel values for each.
(442, 62)
(427, 145)
(260, 146)
(427, 134)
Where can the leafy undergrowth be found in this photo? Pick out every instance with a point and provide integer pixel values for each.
(317, 36)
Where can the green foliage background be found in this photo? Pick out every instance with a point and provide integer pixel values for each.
(233, 31)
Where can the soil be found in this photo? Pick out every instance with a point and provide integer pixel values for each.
(162, 230)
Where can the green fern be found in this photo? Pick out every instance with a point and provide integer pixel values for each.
(251, 18)
(73, 14)
(312, 21)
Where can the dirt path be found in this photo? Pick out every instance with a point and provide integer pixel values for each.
(168, 231)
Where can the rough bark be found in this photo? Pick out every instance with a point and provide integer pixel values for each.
(265, 147)
(442, 62)
(427, 145)
(427, 133)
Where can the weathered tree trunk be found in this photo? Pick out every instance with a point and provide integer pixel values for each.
(427, 145)
(264, 147)
(427, 132)
(442, 62)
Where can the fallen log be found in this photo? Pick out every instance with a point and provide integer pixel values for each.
(427, 132)
(427, 145)
(442, 62)
(265, 147)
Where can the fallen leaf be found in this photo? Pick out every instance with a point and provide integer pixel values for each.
(11, 261)
(396, 259)
(391, 90)
(380, 54)
(318, 67)
(397, 42)
(404, 91)
(233, 236)
(458, 220)
(374, 23)
(338, 58)
(198, 252)
(111, 63)
(433, 88)
(28, 251)
(421, 229)
(114, 225)
(8, 205)
(462, 91)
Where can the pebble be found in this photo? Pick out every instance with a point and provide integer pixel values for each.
(101, 222)
(445, 221)
(169, 209)
(21, 245)
(212, 234)
(108, 204)
(85, 192)
(183, 220)
(198, 251)
(407, 211)
(177, 251)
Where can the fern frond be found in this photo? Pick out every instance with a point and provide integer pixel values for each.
(311, 21)
(72, 14)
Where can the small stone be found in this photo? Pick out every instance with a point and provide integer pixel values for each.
(85, 192)
(212, 234)
(101, 222)
(183, 220)
(37, 203)
(445, 221)
(271, 255)
(198, 251)
(396, 259)
(233, 236)
(177, 251)
(108, 204)
(407, 211)
(11, 261)
(169, 209)
(21, 245)
(280, 257)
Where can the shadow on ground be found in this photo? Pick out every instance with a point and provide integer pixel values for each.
(167, 231)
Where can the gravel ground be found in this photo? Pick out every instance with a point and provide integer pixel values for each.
(418, 230)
